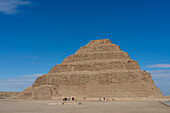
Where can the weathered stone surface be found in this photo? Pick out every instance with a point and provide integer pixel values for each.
(98, 70)
(95, 65)
(39, 93)
(4, 95)
(96, 56)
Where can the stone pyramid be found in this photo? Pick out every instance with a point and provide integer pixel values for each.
(98, 70)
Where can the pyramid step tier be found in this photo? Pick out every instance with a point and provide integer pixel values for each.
(130, 83)
(95, 65)
(98, 48)
(99, 42)
(96, 56)
(103, 77)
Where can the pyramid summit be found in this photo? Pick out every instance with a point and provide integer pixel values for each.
(98, 70)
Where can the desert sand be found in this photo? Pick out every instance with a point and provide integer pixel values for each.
(40, 106)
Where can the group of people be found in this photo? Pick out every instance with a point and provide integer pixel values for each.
(68, 99)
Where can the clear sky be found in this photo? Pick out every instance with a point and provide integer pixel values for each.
(35, 35)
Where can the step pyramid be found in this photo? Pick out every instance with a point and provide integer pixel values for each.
(98, 70)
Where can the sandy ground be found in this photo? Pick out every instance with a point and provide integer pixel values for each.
(22, 106)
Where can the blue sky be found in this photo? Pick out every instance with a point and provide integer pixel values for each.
(35, 35)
